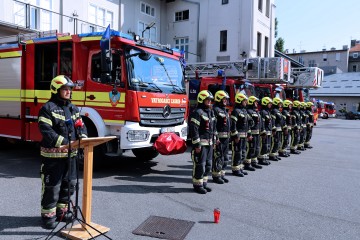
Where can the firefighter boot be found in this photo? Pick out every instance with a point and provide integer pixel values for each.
(247, 166)
(200, 189)
(255, 165)
(62, 214)
(273, 158)
(224, 179)
(308, 146)
(294, 151)
(278, 158)
(264, 162)
(243, 172)
(206, 187)
(283, 154)
(48, 220)
(237, 173)
(218, 180)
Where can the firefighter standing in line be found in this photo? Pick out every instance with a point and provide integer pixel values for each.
(287, 106)
(254, 144)
(309, 125)
(277, 128)
(56, 119)
(266, 104)
(296, 125)
(202, 130)
(220, 158)
(304, 121)
(240, 133)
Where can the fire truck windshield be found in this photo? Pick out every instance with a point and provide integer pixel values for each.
(155, 74)
(245, 88)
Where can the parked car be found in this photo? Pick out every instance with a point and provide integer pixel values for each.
(352, 115)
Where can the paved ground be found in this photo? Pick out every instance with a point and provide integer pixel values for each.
(314, 195)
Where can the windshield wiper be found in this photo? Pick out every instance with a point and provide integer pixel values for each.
(176, 88)
(151, 87)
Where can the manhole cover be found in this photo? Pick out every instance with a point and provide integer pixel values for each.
(164, 228)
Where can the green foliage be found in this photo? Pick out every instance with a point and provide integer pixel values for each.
(279, 45)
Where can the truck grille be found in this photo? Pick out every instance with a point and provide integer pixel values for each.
(154, 117)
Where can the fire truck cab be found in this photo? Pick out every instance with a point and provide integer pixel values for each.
(134, 90)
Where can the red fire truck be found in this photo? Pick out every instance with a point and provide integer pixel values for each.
(134, 90)
(326, 109)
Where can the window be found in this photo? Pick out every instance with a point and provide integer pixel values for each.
(325, 57)
(260, 5)
(266, 47)
(355, 55)
(149, 33)
(337, 57)
(224, 2)
(147, 9)
(354, 68)
(99, 16)
(19, 14)
(258, 51)
(267, 8)
(223, 41)
(312, 63)
(183, 45)
(182, 16)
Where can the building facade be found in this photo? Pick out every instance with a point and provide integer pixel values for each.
(354, 57)
(331, 61)
(206, 30)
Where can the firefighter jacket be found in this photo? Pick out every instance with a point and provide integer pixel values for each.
(296, 118)
(257, 127)
(222, 121)
(287, 118)
(241, 122)
(267, 121)
(202, 126)
(56, 124)
(304, 118)
(277, 117)
(311, 117)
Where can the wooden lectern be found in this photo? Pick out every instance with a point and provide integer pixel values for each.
(82, 231)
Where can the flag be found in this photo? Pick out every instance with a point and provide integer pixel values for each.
(182, 58)
(105, 39)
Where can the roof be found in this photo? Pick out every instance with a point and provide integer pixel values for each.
(356, 48)
(339, 85)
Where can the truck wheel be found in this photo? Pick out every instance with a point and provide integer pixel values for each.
(145, 154)
(326, 116)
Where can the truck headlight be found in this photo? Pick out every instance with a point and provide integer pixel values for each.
(184, 131)
(138, 135)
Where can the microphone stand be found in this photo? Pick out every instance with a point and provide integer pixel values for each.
(76, 208)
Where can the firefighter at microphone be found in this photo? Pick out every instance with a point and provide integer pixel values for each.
(220, 158)
(266, 136)
(309, 125)
(202, 133)
(295, 128)
(304, 121)
(57, 120)
(240, 133)
(287, 106)
(278, 124)
(253, 152)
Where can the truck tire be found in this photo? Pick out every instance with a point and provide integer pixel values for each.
(325, 116)
(145, 154)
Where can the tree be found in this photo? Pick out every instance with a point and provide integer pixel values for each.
(279, 45)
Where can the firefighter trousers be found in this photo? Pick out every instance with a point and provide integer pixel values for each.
(265, 145)
(220, 157)
(238, 154)
(295, 137)
(275, 143)
(202, 165)
(302, 136)
(309, 130)
(55, 175)
(254, 148)
(285, 141)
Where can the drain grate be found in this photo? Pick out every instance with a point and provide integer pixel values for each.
(164, 228)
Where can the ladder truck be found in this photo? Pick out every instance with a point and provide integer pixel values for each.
(133, 90)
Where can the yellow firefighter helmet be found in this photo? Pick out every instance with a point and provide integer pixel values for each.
(60, 81)
(204, 94)
(239, 97)
(220, 95)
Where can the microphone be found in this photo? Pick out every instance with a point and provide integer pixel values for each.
(69, 124)
(79, 124)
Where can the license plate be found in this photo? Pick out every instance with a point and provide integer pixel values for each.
(167, 129)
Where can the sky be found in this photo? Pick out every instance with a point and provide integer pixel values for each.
(312, 25)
